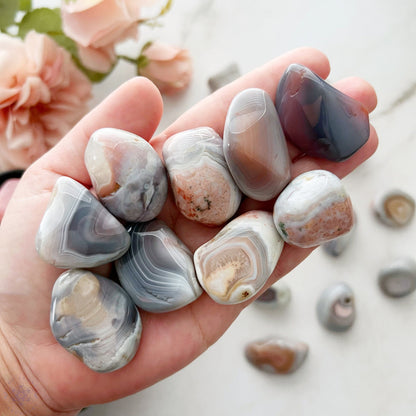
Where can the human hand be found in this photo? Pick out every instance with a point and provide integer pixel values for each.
(6, 192)
(41, 377)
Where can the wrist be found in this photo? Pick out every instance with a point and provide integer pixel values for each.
(18, 395)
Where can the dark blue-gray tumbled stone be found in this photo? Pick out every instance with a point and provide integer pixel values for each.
(317, 118)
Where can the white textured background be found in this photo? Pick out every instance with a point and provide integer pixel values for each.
(371, 369)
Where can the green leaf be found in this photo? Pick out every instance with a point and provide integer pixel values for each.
(49, 21)
(8, 10)
(25, 5)
(41, 20)
(65, 42)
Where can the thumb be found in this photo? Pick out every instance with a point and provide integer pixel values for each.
(136, 106)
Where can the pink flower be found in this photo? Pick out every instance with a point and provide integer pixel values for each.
(97, 25)
(42, 95)
(168, 67)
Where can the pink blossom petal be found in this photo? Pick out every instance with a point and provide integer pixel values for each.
(48, 96)
(9, 67)
(97, 59)
(79, 6)
(168, 67)
(33, 91)
(8, 96)
(105, 20)
(159, 51)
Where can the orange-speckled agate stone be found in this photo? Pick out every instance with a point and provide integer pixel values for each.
(313, 209)
(203, 187)
(276, 355)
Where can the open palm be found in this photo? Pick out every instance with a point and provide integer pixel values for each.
(57, 382)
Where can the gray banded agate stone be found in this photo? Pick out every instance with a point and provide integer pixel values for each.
(76, 231)
(254, 145)
(158, 270)
(398, 278)
(93, 318)
(127, 174)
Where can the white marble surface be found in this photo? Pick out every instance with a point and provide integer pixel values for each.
(371, 369)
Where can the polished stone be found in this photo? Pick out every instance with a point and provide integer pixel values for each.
(234, 265)
(76, 230)
(127, 174)
(202, 184)
(158, 270)
(317, 118)
(276, 296)
(398, 278)
(395, 208)
(228, 74)
(336, 307)
(254, 145)
(94, 318)
(313, 209)
(338, 245)
(276, 355)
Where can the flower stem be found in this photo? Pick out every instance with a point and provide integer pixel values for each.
(128, 59)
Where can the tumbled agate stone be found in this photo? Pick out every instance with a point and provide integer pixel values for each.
(276, 296)
(338, 245)
(94, 318)
(394, 208)
(313, 209)
(234, 265)
(127, 174)
(254, 145)
(203, 187)
(317, 118)
(398, 278)
(276, 355)
(76, 231)
(336, 307)
(158, 270)
(230, 73)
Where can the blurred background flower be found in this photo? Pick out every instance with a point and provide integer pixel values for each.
(97, 26)
(169, 67)
(50, 56)
(42, 95)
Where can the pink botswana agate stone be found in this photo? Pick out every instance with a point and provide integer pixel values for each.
(127, 174)
(313, 209)
(254, 145)
(202, 184)
(317, 118)
(276, 355)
